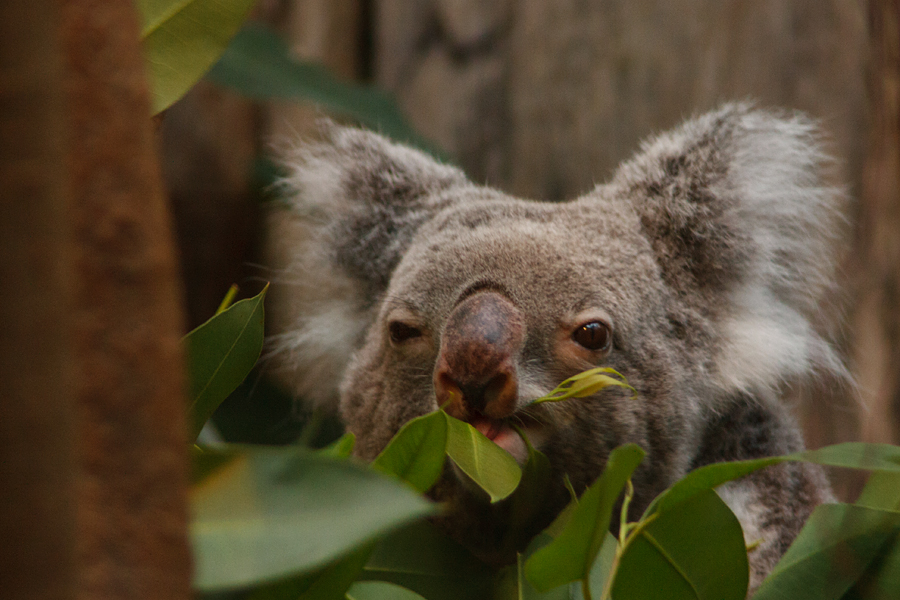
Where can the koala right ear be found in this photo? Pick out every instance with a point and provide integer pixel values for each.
(355, 201)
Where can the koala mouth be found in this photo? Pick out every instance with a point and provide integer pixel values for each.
(502, 434)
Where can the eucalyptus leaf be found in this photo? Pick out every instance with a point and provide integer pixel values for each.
(602, 568)
(571, 555)
(882, 491)
(694, 551)
(526, 591)
(416, 453)
(855, 455)
(586, 383)
(833, 550)
(221, 353)
(259, 64)
(380, 590)
(705, 478)
(341, 447)
(487, 464)
(272, 512)
(422, 559)
(600, 571)
(205, 462)
(881, 581)
(182, 39)
(526, 502)
(331, 581)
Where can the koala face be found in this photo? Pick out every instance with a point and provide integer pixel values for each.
(694, 272)
(495, 303)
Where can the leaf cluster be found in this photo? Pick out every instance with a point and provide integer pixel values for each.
(272, 523)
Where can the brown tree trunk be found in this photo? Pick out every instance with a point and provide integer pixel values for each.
(877, 312)
(126, 319)
(37, 416)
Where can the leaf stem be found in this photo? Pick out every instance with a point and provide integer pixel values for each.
(228, 299)
(627, 531)
(623, 518)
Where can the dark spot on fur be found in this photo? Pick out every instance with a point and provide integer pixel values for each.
(677, 328)
(675, 164)
(746, 429)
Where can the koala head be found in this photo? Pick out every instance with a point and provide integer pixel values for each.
(695, 272)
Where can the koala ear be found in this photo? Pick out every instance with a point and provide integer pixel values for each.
(745, 231)
(354, 202)
(371, 195)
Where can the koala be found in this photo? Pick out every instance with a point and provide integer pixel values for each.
(697, 272)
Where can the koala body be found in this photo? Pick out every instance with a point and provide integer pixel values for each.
(695, 272)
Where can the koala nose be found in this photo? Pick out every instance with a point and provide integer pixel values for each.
(476, 369)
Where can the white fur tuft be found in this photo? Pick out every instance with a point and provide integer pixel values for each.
(794, 220)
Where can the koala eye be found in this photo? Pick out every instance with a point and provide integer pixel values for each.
(400, 332)
(595, 335)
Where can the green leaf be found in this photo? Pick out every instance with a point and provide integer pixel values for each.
(380, 590)
(882, 491)
(271, 512)
(835, 547)
(602, 567)
(422, 559)
(693, 551)
(587, 383)
(525, 503)
(705, 478)
(331, 581)
(205, 462)
(882, 579)
(228, 300)
(561, 521)
(599, 572)
(855, 455)
(526, 591)
(220, 354)
(341, 447)
(487, 464)
(259, 64)
(571, 555)
(416, 453)
(182, 39)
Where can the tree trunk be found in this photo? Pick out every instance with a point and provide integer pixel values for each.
(126, 319)
(877, 311)
(37, 419)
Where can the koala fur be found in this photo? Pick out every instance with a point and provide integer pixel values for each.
(705, 258)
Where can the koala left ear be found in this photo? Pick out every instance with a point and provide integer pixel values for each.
(745, 231)
(370, 194)
(355, 201)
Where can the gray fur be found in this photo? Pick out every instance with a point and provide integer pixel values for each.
(708, 253)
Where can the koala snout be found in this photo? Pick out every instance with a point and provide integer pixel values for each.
(476, 367)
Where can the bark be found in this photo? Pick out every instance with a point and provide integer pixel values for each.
(126, 319)
(877, 311)
(545, 98)
(37, 441)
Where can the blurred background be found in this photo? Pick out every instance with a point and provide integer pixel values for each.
(543, 99)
